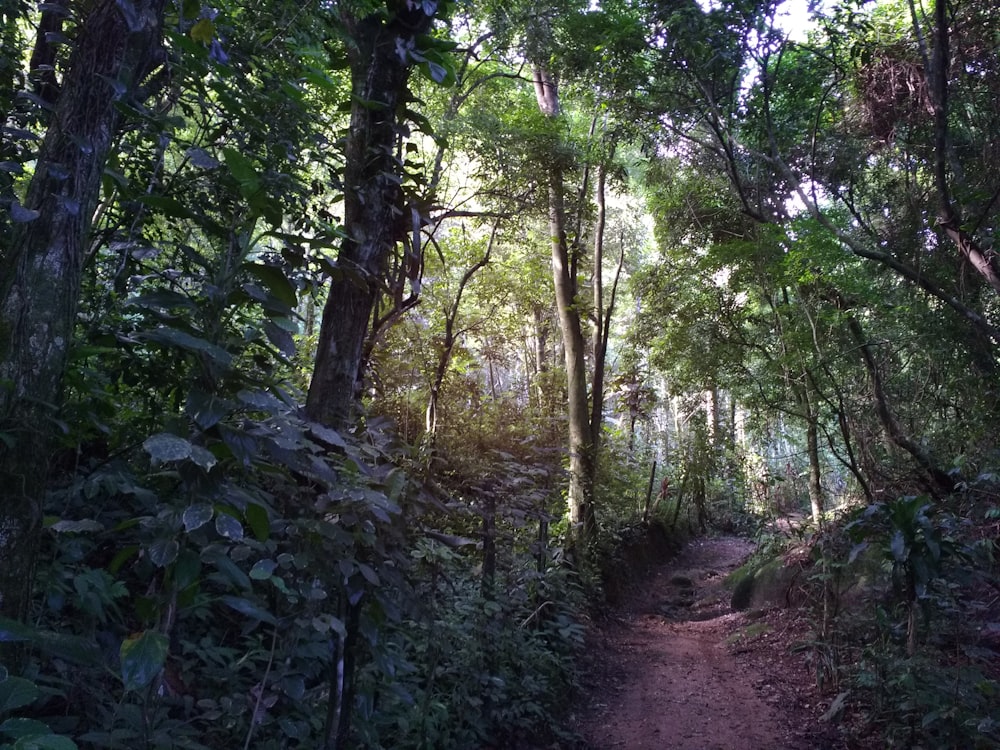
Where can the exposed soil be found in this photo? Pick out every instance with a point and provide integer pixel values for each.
(673, 668)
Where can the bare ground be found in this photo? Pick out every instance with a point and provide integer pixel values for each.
(675, 669)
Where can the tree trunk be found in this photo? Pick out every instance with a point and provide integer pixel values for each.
(42, 268)
(581, 475)
(541, 337)
(598, 339)
(949, 217)
(893, 430)
(374, 215)
(812, 448)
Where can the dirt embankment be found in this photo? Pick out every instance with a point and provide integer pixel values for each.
(675, 669)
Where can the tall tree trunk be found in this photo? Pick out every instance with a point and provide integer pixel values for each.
(581, 457)
(373, 205)
(598, 340)
(42, 267)
(949, 216)
(602, 317)
(375, 219)
(812, 449)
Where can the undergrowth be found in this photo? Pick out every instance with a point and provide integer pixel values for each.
(201, 594)
(906, 613)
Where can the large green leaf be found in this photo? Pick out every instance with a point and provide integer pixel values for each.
(184, 340)
(197, 515)
(164, 447)
(45, 742)
(206, 409)
(260, 523)
(142, 658)
(248, 608)
(228, 527)
(162, 552)
(18, 727)
(16, 692)
(275, 281)
(239, 166)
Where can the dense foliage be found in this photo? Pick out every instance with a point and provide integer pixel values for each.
(348, 350)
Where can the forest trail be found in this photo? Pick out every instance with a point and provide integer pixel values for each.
(675, 669)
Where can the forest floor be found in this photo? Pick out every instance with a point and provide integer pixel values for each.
(674, 668)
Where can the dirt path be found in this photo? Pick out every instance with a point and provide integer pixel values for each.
(675, 669)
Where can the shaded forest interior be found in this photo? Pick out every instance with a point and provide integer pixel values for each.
(355, 355)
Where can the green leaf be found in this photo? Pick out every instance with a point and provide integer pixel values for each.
(162, 552)
(203, 31)
(281, 338)
(121, 556)
(196, 516)
(19, 727)
(260, 523)
(206, 409)
(324, 623)
(142, 658)
(168, 206)
(16, 692)
(45, 742)
(262, 569)
(229, 527)
(228, 570)
(187, 569)
(71, 648)
(84, 524)
(240, 166)
(369, 575)
(326, 435)
(251, 610)
(164, 447)
(275, 281)
(12, 631)
(203, 457)
(182, 339)
(163, 299)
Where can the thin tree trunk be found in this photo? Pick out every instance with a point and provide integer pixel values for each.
(812, 449)
(450, 339)
(597, 330)
(42, 268)
(649, 493)
(541, 363)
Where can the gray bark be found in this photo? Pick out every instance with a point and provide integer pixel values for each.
(581, 457)
(41, 269)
